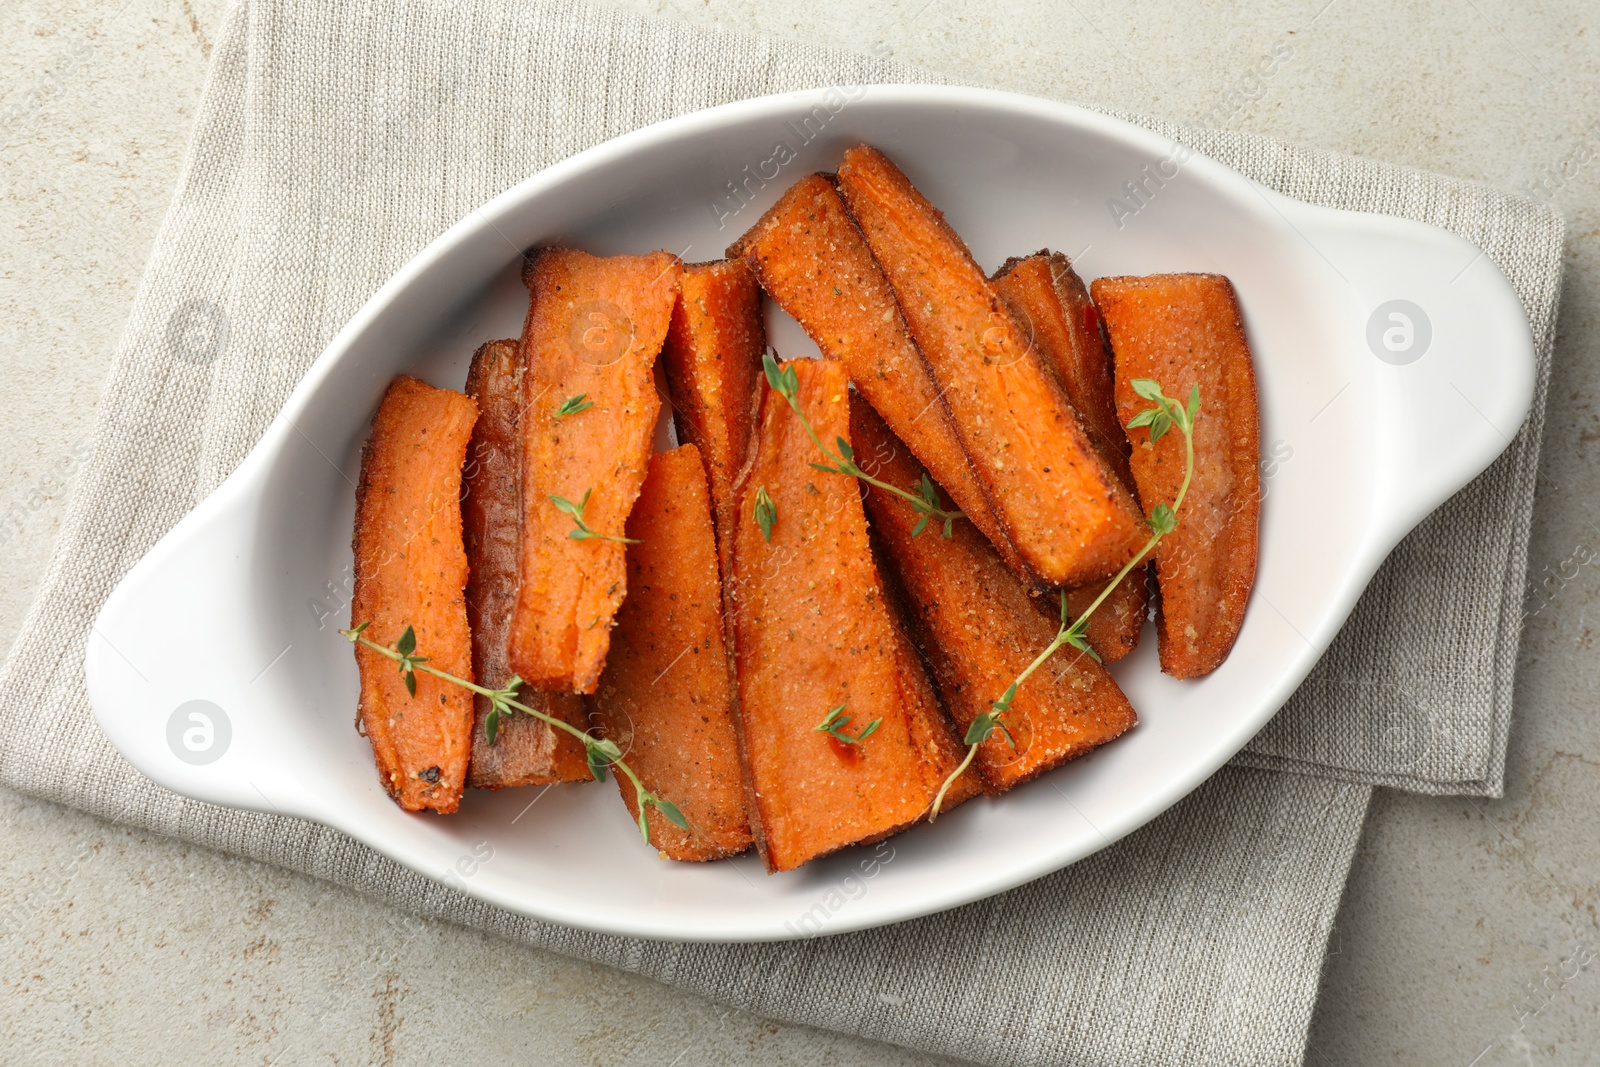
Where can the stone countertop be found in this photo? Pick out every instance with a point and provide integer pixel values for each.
(1469, 932)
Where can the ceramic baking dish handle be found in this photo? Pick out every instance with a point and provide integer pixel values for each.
(1446, 347)
(171, 662)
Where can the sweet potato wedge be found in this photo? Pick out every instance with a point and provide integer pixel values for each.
(525, 751)
(1050, 301)
(411, 570)
(1063, 508)
(713, 362)
(594, 329)
(979, 628)
(1183, 330)
(813, 261)
(666, 697)
(814, 633)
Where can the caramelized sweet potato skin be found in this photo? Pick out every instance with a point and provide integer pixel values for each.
(411, 570)
(1050, 301)
(1184, 330)
(526, 751)
(814, 262)
(1064, 510)
(594, 328)
(666, 697)
(814, 631)
(713, 361)
(979, 628)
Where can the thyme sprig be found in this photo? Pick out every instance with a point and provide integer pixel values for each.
(1165, 414)
(834, 727)
(600, 752)
(924, 499)
(572, 405)
(582, 531)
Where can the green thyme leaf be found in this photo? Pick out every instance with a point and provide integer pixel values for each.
(670, 810)
(601, 753)
(1144, 418)
(834, 717)
(572, 405)
(922, 524)
(766, 512)
(834, 723)
(407, 643)
(582, 531)
(491, 724)
(783, 380)
(1148, 389)
(1194, 403)
(1076, 639)
(981, 728)
(1163, 520)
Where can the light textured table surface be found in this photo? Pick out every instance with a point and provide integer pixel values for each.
(1470, 934)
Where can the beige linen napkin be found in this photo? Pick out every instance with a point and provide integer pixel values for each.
(336, 139)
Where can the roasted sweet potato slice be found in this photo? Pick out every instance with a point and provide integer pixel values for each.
(411, 570)
(525, 750)
(815, 633)
(813, 261)
(713, 361)
(1063, 508)
(1050, 301)
(979, 628)
(594, 329)
(1183, 330)
(666, 697)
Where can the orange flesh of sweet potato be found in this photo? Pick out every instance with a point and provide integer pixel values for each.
(526, 751)
(1050, 302)
(814, 631)
(1069, 517)
(713, 361)
(666, 697)
(411, 570)
(1183, 330)
(979, 629)
(594, 328)
(813, 261)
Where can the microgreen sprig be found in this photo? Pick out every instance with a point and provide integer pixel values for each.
(766, 512)
(583, 531)
(600, 752)
(923, 499)
(1165, 414)
(835, 723)
(572, 405)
